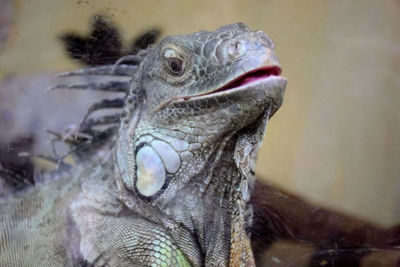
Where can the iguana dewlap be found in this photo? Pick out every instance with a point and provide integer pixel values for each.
(171, 188)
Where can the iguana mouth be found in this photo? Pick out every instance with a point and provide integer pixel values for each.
(247, 78)
(250, 77)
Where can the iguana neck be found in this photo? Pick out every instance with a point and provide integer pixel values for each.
(205, 204)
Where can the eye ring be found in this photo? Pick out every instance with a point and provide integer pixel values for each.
(175, 64)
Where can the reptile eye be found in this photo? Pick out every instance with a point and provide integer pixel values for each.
(175, 63)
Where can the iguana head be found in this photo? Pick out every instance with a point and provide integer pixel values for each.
(195, 97)
(187, 71)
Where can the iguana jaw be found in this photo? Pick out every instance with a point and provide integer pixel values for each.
(249, 77)
(266, 78)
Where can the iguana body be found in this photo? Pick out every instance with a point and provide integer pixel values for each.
(171, 188)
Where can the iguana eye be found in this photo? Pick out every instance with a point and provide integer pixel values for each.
(176, 65)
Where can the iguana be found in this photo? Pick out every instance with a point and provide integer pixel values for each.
(171, 186)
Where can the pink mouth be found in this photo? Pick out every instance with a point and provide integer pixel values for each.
(251, 76)
(246, 78)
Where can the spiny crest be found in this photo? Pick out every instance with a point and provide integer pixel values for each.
(93, 131)
(114, 73)
(111, 70)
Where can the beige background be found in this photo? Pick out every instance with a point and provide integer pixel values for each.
(336, 139)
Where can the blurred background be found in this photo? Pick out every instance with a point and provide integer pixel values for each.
(334, 142)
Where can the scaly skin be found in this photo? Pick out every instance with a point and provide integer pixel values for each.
(174, 187)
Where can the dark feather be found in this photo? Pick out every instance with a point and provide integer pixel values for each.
(102, 46)
(145, 39)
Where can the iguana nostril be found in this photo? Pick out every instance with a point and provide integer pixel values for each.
(236, 48)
